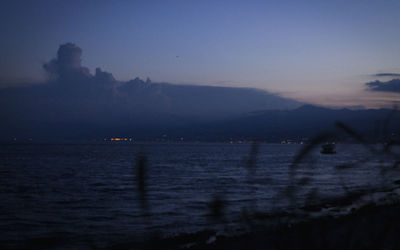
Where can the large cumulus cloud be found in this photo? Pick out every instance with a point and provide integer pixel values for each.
(67, 68)
(67, 64)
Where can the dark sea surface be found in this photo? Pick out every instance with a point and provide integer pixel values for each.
(86, 194)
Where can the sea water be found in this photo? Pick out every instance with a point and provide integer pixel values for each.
(89, 193)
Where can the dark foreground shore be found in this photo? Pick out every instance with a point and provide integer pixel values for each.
(370, 227)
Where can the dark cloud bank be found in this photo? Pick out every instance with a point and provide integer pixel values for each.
(75, 102)
(389, 86)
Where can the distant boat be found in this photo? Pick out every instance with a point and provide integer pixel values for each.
(328, 148)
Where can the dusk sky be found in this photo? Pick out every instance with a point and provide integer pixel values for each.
(316, 51)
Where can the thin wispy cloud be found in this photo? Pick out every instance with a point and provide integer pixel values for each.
(386, 75)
